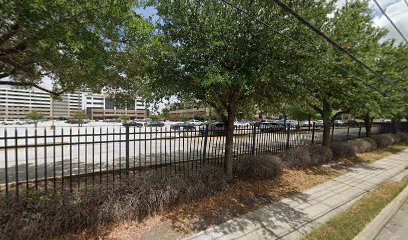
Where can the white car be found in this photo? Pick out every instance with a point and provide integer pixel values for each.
(319, 123)
(195, 122)
(241, 124)
(306, 123)
(12, 122)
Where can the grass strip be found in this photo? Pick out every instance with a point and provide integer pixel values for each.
(382, 153)
(349, 223)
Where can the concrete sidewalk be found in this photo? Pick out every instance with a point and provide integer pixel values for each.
(295, 217)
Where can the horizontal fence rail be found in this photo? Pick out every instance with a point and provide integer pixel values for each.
(80, 157)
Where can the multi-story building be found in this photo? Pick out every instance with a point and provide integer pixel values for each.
(17, 103)
(190, 113)
(67, 105)
(100, 106)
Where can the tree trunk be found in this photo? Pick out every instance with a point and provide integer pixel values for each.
(326, 123)
(310, 121)
(229, 141)
(368, 121)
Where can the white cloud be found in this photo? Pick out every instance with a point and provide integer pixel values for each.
(397, 10)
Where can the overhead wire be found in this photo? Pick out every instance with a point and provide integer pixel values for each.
(390, 20)
(255, 18)
(301, 19)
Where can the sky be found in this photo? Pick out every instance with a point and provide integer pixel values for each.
(397, 10)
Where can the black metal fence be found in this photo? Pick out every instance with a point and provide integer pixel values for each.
(81, 157)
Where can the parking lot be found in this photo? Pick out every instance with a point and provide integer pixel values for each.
(67, 149)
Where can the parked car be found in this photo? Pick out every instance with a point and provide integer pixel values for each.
(270, 127)
(185, 126)
(77, 121)
(319, 123)
(12, 122)
(306, 123)
(339, 123)
(195, 122)
(155, 124)
(352, 123)
(214, 129)
(110, 120)
(132, 123)
(242, 124)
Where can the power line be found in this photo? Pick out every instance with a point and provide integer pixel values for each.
(390, 20)
(297, 42)
(332, 42)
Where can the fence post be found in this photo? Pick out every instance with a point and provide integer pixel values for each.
(127, 149)
(348, 131)
(332, 133)
(313, 133)
(359, 130)
(205, 143)
(288, 137)
(253, 139)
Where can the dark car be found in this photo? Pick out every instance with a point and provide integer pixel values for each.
(132, 123)
(110, 120)
(183, 126)
(155, 124)
(352, 123)
(77, 121)
(215, 129)
(270, 127)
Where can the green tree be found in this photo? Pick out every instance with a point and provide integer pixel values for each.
(80, 116)
(123, 118)
(35, 116)
(183, 117)
(223, 58)
(77, 44)
(326, 86)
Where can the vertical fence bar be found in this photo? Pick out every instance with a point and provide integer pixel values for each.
(205, 143)
(62, 158)
(313, 132)
(287, 137)
(100, 157)
(86, 158)
(45, 160)
(70, 158)
(93, 156)
(253, 140)
(359, 130)
(79, 158)
(53, 161)
(26, 159)
(6, 161)
(348, 131)
(36, 159)
(127, 150)
(16, 158)
(113, 154)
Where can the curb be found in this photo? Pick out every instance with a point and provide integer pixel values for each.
(374, 227)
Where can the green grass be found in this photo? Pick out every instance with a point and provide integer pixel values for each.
(349, 223)
(382, 153)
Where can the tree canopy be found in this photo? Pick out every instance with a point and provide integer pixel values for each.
(76, 44)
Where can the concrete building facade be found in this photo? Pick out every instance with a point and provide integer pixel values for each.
(16, 103)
